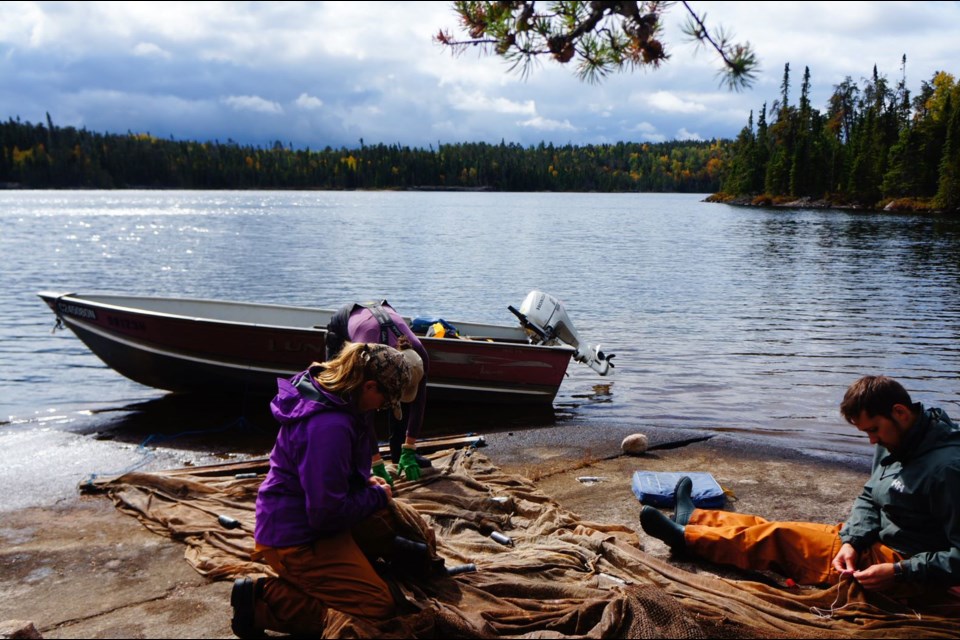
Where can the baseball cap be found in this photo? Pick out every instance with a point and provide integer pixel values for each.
(398, 372)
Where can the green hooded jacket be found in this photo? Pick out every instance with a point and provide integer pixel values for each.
(912, 501)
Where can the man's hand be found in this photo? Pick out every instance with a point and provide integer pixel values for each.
(408, 464)
(846, 559)
(876, 577)
(380, 471)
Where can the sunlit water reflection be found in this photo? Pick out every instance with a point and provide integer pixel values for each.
(724, 319)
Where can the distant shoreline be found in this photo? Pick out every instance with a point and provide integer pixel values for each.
(899, 205)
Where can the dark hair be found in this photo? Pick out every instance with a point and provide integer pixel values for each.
(874, 394)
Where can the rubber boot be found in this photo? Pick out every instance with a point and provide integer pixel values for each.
(684, 507)
(659, 526)
(243, 599)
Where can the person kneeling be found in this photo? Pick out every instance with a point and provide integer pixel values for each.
(323, 518)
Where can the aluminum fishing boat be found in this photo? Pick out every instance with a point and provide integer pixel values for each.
(188, 345)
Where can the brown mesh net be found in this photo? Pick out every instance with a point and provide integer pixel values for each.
(561, 576)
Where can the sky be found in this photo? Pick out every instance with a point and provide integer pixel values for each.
(318, 74)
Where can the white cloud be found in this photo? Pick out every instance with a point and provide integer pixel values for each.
(544, 124)
(253, 103)
(463, 101)
(150, 50)
(380, 30)
(671, 103)
(24, 24)
(643, 127)
(653, 137)
(683, 134)
(308, 102)
(602, 110)
(646, 132)
(381, 75)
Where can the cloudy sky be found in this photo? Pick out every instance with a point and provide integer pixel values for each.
(313, 74)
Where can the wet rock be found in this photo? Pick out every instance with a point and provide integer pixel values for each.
(634, 444)
(18, 629)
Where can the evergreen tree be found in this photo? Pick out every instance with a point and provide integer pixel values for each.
(761, 156)
(42, 157)
(948, 190)
(840, 120)
(870, 144)
(801, 172)
(903, 177)
(740, 172)
(782, 140)
(599, 37)
(874, 134)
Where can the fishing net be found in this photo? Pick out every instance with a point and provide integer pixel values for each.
(553, 575)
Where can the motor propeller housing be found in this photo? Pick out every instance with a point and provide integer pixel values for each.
(546, 322)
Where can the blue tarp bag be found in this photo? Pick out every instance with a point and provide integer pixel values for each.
(421, 324)
(656, 488)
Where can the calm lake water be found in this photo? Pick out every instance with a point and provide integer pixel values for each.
(723, 319)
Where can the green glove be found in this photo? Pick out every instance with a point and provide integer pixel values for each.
(408, 464)
(380, 470)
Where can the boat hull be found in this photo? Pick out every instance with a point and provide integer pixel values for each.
(195, 345)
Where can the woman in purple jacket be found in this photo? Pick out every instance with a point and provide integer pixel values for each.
(320, 500)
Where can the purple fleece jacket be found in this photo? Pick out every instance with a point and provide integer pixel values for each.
(363, 327)
(319, 468)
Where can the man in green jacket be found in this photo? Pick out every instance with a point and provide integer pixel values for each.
(903, 530)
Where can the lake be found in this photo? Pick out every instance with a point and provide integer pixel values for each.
(722, 318)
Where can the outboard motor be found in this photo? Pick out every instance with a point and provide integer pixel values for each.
(546, 322)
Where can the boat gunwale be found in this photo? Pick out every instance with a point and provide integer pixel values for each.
(89, 299)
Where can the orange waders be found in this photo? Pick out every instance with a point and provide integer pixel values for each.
(803, 551)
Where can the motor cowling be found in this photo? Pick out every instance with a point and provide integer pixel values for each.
(546, 322)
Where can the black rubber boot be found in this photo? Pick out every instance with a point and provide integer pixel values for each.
(659, 526)
(406, 546)
(684, 507)
(243, 599)
(414, 557)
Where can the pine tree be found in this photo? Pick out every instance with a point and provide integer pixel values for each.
(874, 134)
(761, 157)
(738, 180)
(777, 180)
(801, 171)
(948, 191)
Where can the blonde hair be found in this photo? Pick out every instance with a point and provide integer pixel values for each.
(345, 373)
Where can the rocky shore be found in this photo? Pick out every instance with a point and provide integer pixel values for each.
(78, 568)
(900, 205)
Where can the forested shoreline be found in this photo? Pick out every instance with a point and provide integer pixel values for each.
(44, 156)
(874, 147)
